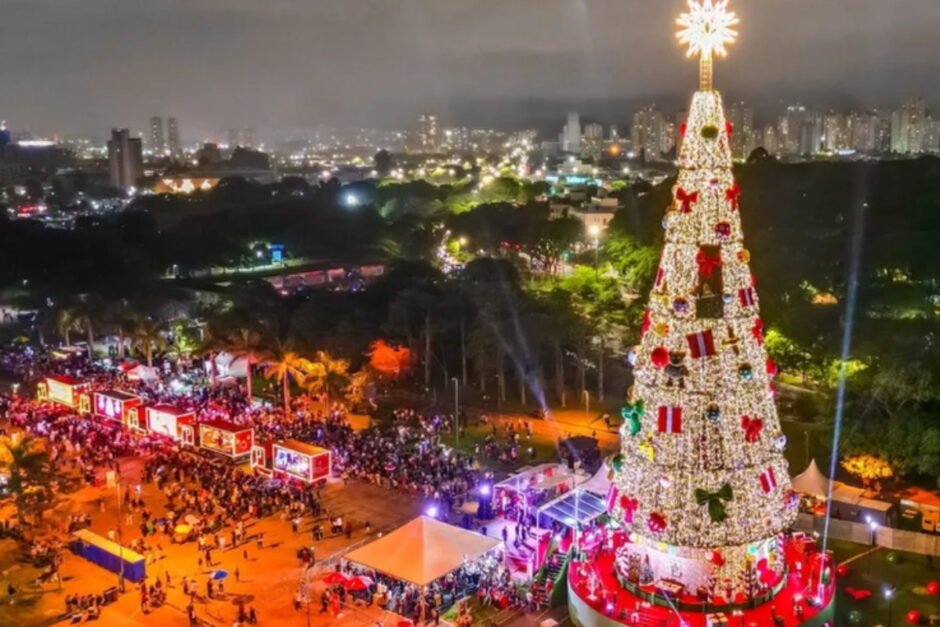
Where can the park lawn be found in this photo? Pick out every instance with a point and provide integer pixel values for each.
(875, 571)
(544, 446)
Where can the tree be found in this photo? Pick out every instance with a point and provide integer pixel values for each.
(28, 468)
(287, 366)
(65, 323)
(701, 468)
(361, 389)
(383, 162)
(328, 375)
(147, 336)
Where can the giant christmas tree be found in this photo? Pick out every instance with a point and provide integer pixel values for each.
(701, 482)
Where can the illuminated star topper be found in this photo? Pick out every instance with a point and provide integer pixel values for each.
(707, 27)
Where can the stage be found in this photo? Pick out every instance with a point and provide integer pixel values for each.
(612, 605)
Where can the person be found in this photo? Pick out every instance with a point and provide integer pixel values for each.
(11, 592)
(260, 542)
(237, 574)
(252, 615)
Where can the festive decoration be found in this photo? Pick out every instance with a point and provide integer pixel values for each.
(670, 419)
(868, 467)
(701, 344)
(629, 506)
(708, 460)
(713, 413)
(913, 617)
(768, 480)
(657, 522)
(752, 427)
(659, 357)
(617, 462)
(707, 264)
(933, 588)
(746, 297)
(842, 570)
(716, 508)
(687, 199)
(732, 194)
(632, 412)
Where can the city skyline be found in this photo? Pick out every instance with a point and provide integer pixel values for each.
(200, 61)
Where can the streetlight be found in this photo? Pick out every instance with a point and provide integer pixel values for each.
(595, 231)
(889, 595)
(587, 403)
(456, 412)
(873, 530)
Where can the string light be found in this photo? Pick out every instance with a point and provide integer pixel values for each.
(703, 486)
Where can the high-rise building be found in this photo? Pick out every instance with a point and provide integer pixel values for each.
(769, 140)
(244, 137)
(571, 134)
(741, 117)
(428, 133)
(790, 130)
(647, 133)
(125, 159)
(157, 140)
(592, 140)
(173, 137)
(811, 134)
(836, 136)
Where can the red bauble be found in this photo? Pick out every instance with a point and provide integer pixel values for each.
(660, 357)
(718, 559)
(913, 617)
(656, 522)
(933, 588)
(723, 230)
(771, 367)
(842, 570)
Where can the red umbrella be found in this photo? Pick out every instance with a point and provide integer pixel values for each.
(333, 578)
(356, 584)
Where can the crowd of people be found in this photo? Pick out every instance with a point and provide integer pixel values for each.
(211, 502)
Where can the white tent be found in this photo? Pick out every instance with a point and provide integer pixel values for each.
(140, 372)
(598, 484)
(422, 550)
(227, 365)
(811, 481)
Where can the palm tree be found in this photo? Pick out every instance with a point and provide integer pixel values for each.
(86, 315)
(287, 366)
(65, 323)
(27, 465)
(328, 375)
(146, 337)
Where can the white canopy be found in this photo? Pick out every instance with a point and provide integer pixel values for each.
(598, 484)
(140, 372)
(811, 481)
(422, 550)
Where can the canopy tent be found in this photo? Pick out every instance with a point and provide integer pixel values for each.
(227, 365)
(542, 477)
(141, 372)
(422, 550)
(599, 484)
(576, 507)
(811, 481)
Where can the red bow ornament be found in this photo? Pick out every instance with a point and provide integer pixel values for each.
(687, 199)
(732, 194)
(707, 264)
(656, 522)
(752, 427)
(629, 506)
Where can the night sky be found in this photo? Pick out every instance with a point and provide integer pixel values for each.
(86, 65)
